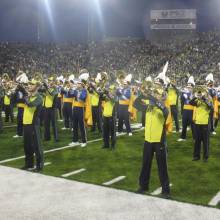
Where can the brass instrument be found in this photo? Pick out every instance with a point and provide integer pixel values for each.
(120, 77)
(200, 91)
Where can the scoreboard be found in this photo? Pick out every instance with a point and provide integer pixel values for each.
(178, 19)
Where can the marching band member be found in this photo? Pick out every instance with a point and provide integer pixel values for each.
(218, 104)
(8, 103)
(124, 95)
(212, 92)
(50, 92)
(1, 106)
(155, 140)
(109, 117)
(80, 95)
(173, 96)
(32, 140)
(204, 106)
(19, 95)
(67, 93)
(187, 108)
(96, 104)
(60, 81)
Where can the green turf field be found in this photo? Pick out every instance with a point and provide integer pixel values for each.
(193, 182)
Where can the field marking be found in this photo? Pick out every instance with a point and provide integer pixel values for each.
(158, 191)
(9, 126)
(61, 148)
(215, 200)
(74, 172)
(115, 180)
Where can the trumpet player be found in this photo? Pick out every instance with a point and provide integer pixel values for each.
(203, 103)
(213, 94)
(80, 96)
(173, 96)
(32, 140)
(109, 117)
(50, 92)
(1, 106)
(124, 96)
(67, 93)
(8, 102)
(187, 109)
(155, 140)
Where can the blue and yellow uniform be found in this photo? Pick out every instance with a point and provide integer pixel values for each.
(79, 96)
(187, 112)
(124, 95)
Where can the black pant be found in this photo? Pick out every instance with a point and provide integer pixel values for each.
(143, 116)
(32, 145)
(78, 121)
(50, 118)
(201, 136)
(67, 114)
(59, 106)
(174, 113)
(161, 157)
(123, 117)
(211, 119)
(20, 121)
(217, 119)
(42, 112)
(9, 113)
(187, 119)
(1, 122)
(96, 119)
(109, 131)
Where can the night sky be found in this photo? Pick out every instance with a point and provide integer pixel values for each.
(67, 20)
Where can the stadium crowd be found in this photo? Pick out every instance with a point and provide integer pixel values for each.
(138, 57)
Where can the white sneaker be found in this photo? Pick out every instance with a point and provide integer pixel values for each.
(173, 131)
(60, 120)
(180, 140)
(73, 144)
(83, 145)
(214, 133)
(17, 136)
(130, 134)
(64, 128)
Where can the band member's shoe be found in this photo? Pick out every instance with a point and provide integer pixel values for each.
(130, 134)
(17, 136)
(181, 139)
(142, 190)
(73, 144)
(83, 145)
(195, 158)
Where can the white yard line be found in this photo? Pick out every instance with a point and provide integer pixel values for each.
(158, 191)
(9, 126)
(62, 148)
(74, 172)
(115, 180)
(215, 200)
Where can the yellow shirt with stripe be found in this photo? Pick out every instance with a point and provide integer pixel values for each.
(172, 96)
(29, 113)
(201, 116)
(154, 124)
(7, 100)
(108, 107)
(94, 99)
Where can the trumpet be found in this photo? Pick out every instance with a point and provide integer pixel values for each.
(201, 91)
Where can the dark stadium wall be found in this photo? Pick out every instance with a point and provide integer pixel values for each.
(29, 20)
